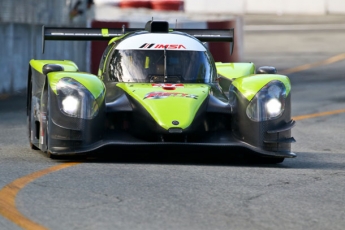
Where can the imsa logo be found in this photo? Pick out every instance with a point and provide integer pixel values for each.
(162, 46)
(147, 45)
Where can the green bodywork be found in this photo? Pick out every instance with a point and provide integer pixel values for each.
(89, 81)
(235, 70)
(243, 77)
(67, 65)
(180, 104)
(116, 39)
(250, 85)
(166, 105)
(105, 32)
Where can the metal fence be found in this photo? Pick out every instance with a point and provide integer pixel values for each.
(21, 39)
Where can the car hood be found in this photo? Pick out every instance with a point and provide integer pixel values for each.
(170, 105)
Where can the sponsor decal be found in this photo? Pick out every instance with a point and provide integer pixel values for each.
(168, 86)
(162, 46)
(147, 45)
(161, 95)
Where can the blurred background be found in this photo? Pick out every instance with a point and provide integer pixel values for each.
(21, 25)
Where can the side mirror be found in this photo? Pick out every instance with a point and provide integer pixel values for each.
(266, 70)
(47, 68)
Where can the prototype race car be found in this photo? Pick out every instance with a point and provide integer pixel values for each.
(157, 88)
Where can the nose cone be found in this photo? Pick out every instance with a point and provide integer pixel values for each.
(170, 105)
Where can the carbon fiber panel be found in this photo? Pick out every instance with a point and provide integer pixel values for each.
(60, 119)
(255, 133)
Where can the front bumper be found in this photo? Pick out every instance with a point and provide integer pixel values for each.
(123, 142)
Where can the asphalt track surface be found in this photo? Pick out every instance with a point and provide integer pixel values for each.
(197, 191)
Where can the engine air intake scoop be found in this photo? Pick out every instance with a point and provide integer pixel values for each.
(157, 26)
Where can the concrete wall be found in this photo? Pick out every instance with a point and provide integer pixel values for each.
(279, 7)
(23, 42)
(21, 38)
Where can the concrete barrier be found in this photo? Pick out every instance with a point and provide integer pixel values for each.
(23, 42)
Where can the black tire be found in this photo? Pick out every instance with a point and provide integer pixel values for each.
(273, 160)
(52, 156)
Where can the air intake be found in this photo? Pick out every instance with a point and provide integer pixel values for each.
(157, 26)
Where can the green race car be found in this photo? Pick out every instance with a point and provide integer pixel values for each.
(157, 88)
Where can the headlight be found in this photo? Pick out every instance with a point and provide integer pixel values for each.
(70, 105)
(268, 103)
(273, 107)
(75, 100)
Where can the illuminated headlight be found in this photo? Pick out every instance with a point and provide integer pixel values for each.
(70, 105)
(76, 101)
(274, 107)
(268, 103)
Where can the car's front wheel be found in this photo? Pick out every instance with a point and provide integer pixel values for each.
(272, 160)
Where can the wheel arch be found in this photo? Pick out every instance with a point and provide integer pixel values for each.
(249, 86)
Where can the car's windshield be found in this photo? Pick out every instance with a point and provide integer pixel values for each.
(173, 66)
